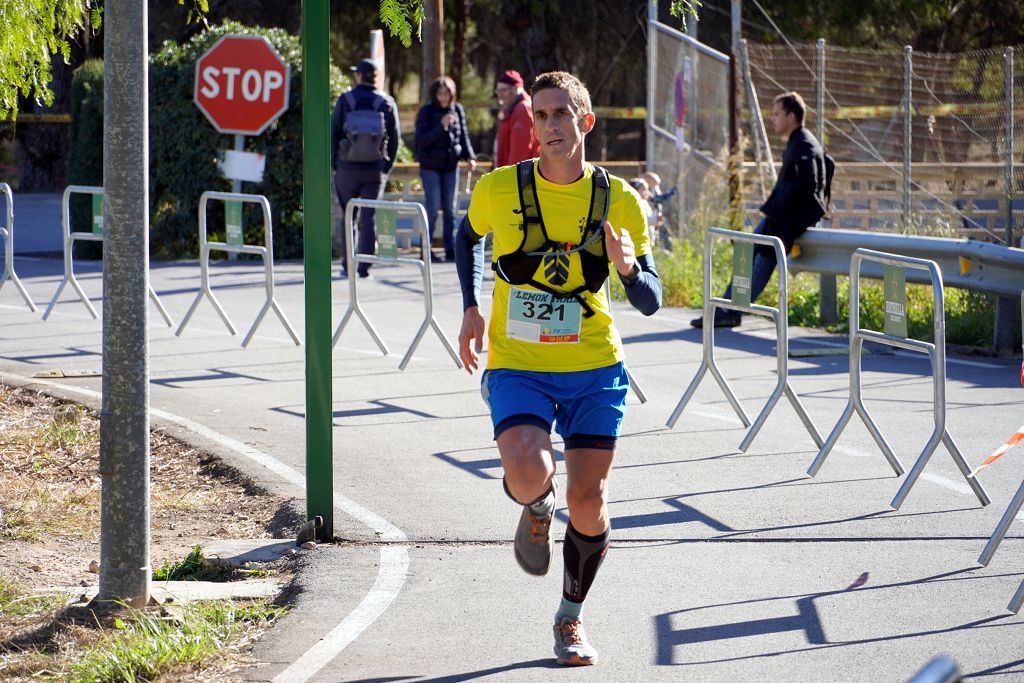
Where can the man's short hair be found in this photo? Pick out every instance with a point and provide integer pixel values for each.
(562, 80)
(792, 103)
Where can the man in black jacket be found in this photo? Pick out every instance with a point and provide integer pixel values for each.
(796, 203)
(365, 177)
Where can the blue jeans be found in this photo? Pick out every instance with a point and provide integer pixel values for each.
(439, 191)
(760, 270)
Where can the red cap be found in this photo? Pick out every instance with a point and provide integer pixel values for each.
(511, 77)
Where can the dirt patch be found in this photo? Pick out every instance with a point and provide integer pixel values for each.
(50, 498)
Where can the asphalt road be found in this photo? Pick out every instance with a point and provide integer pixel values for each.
(725, 565)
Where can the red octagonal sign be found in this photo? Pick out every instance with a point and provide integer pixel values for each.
(241, 84)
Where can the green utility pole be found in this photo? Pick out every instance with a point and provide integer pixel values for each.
(124, 418)
(316, 200)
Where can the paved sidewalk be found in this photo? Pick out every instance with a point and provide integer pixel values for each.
(725, 565)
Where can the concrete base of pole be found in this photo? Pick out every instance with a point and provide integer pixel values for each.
(123, 585)
(1005, 327)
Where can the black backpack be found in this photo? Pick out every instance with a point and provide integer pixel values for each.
(365, 136)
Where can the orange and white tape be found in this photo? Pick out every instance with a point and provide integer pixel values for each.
(1017, 437)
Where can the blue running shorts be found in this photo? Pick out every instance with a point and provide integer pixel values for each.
(586, 403)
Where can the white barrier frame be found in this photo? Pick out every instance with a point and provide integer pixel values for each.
(937, 355)
(423, 264)
(7, 237)
(69, 242)
(780, 316)
(266, 252)
(1017, 601)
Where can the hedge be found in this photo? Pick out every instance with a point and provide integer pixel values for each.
(184, 148)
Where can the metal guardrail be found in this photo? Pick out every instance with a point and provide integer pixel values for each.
(779, 315)
(965, 263)
(7, 237)
(936, 353)
(266, 252)
(69, 242)
(1017, 601)
(423, 264)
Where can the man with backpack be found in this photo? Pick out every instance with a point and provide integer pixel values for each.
(798, 200)
(561, 228)
(364, 146)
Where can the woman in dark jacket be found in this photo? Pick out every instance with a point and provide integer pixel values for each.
(442, 140)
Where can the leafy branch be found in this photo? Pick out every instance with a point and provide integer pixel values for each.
(395, 14)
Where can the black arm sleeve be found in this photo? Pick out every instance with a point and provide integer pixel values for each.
(644, 289)
(469, 263)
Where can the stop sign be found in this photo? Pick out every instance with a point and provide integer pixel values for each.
(241, 84)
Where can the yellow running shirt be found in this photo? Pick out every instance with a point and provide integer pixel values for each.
(529, 329)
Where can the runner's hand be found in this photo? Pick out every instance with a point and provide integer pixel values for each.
(472, 330)
(620, 249)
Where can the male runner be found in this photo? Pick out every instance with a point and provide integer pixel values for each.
(560, 225)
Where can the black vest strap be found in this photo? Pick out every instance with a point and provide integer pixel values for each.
(520, 266)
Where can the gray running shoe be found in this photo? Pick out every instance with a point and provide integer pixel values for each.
(571, 646)
(533, 543)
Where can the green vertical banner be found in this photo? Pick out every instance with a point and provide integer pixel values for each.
(233, 222)
(97, 214)
(742, 263)
(895, 301)
(387, 233)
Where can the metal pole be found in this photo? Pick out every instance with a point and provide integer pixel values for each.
(907, 121)
(828, 304)
(124, 417)
(316, 171)
(1002, 335)
(652, 54)
(1008, 136)
(735, 159)
(236, 187)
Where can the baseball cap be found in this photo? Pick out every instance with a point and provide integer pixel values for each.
(511, 77)
(366, 67)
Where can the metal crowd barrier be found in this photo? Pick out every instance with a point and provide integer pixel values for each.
(7, 237)
(69, 242)
(266, 252)
(1011, 512)
(423, 263)
(633, 384)
(779, 315)
(936, 353)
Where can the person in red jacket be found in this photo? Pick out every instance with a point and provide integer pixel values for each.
(516, 140)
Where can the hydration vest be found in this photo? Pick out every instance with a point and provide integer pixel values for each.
(520, 266)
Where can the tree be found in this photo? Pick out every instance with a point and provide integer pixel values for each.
(33, 31)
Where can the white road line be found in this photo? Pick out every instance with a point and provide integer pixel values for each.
(945, 483)
(394, 560)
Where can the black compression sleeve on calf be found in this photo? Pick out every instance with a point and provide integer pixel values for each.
(582, 556)
(469, 263)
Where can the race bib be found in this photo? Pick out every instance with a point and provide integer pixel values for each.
(542, 318)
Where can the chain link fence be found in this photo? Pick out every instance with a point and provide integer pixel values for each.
(688, 120)
(941, 166)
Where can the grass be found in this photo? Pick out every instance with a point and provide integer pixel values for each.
(146, 645)
(193, 568)
(15, 601)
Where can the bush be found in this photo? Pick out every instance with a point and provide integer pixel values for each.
(85, 147)
(184, 149)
